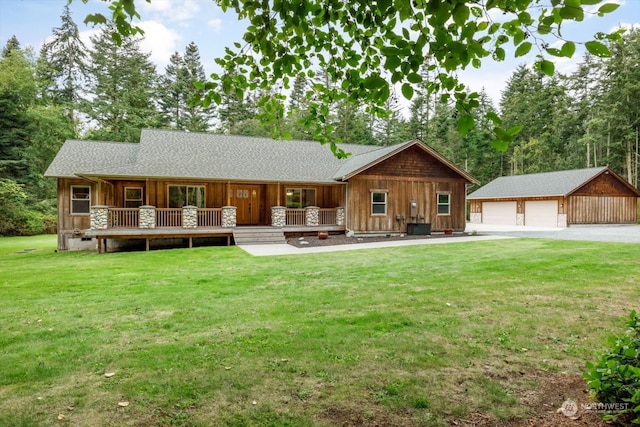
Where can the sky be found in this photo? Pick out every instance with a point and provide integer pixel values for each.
(170, 25)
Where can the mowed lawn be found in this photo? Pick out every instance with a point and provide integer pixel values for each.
(417, 335)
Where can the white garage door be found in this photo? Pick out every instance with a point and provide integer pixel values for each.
(542, 213)
(499, 213)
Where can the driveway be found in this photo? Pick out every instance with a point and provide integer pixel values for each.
(622, 233)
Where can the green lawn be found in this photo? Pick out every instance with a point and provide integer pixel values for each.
(418, 335)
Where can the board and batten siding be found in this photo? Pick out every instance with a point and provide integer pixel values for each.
(71, 225)
(399, 194)
(602, 210)
(408, 175)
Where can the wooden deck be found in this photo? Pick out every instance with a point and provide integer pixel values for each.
(149, 234)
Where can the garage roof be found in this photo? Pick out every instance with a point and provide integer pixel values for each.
(561, 183)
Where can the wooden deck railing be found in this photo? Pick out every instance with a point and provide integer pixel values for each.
(123, 217)
(209, 217)
(327, 216)
(295, 217)
(168, 217)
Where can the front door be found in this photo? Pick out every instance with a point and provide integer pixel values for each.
(246, 199)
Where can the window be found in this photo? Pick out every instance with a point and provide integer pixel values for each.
(80, 199)
(301, 197)
(186, 195)
(378, 203)
(444, 204)
(132, 197)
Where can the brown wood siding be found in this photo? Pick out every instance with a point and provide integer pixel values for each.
(604, 185)
(602, 210)
(72, 224)
(414, 163)
(399, 193)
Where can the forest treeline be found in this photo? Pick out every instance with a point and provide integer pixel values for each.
(111, 92)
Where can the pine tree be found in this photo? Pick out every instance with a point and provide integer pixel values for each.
(122, 89)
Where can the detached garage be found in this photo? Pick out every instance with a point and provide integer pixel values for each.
(556, 199)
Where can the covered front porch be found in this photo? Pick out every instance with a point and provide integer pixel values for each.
(190, 222)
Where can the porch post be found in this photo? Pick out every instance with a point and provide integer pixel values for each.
(312, 216)
(339, 215)
(99, 217)
(228, 216)
(189, 217)
(147, 217)
(278, 216)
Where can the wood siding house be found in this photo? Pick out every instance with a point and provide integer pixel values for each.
(556, 199)
(197, 185)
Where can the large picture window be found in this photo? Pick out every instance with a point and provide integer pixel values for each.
(444, 204)
(298, 198)
(186, 195)
(378, 203)
(80, 199)
(132, 197)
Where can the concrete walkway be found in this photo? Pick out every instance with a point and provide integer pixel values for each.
(270, 250)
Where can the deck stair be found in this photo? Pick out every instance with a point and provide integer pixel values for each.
(258, 236)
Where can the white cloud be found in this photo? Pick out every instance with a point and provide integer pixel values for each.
(215, 24)
(172, 10)
(160, 41)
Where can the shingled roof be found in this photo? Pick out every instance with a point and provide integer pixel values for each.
(186, 155)
(561, 183)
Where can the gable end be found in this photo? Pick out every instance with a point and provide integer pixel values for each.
(413, 162)
(605, 184)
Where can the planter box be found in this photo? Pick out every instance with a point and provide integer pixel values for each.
(418, 229)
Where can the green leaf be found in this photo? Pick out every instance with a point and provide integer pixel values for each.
(568, 49)
(523, 49)
(494, 118)
(460, 14)
(547, 67)
(407, 91)
(607, 8)
(597, 49)
(465, 124)
(514, 130)
(500, 145)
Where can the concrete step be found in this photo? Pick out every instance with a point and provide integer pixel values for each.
(258, 236)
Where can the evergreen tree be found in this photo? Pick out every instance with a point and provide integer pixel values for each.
(123, 84)
(177, 92)
(12, 45)
(197, 118)
(172, 89)
(63, 64)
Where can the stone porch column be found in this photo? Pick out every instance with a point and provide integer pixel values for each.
(476, 218)
(189, 217)
(312, 216)
(340, 215)
(147, 217)
(99, 217)
(228, 216)
(278, 216)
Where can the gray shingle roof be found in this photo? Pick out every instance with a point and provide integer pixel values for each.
(559, 183)
(76, 155)
(185, 155)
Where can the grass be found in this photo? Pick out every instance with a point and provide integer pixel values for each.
(418, 335)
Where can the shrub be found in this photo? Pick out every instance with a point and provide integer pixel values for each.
(614, 378)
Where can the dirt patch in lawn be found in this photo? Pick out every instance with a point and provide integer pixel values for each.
(310, 241)
(560, 401)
